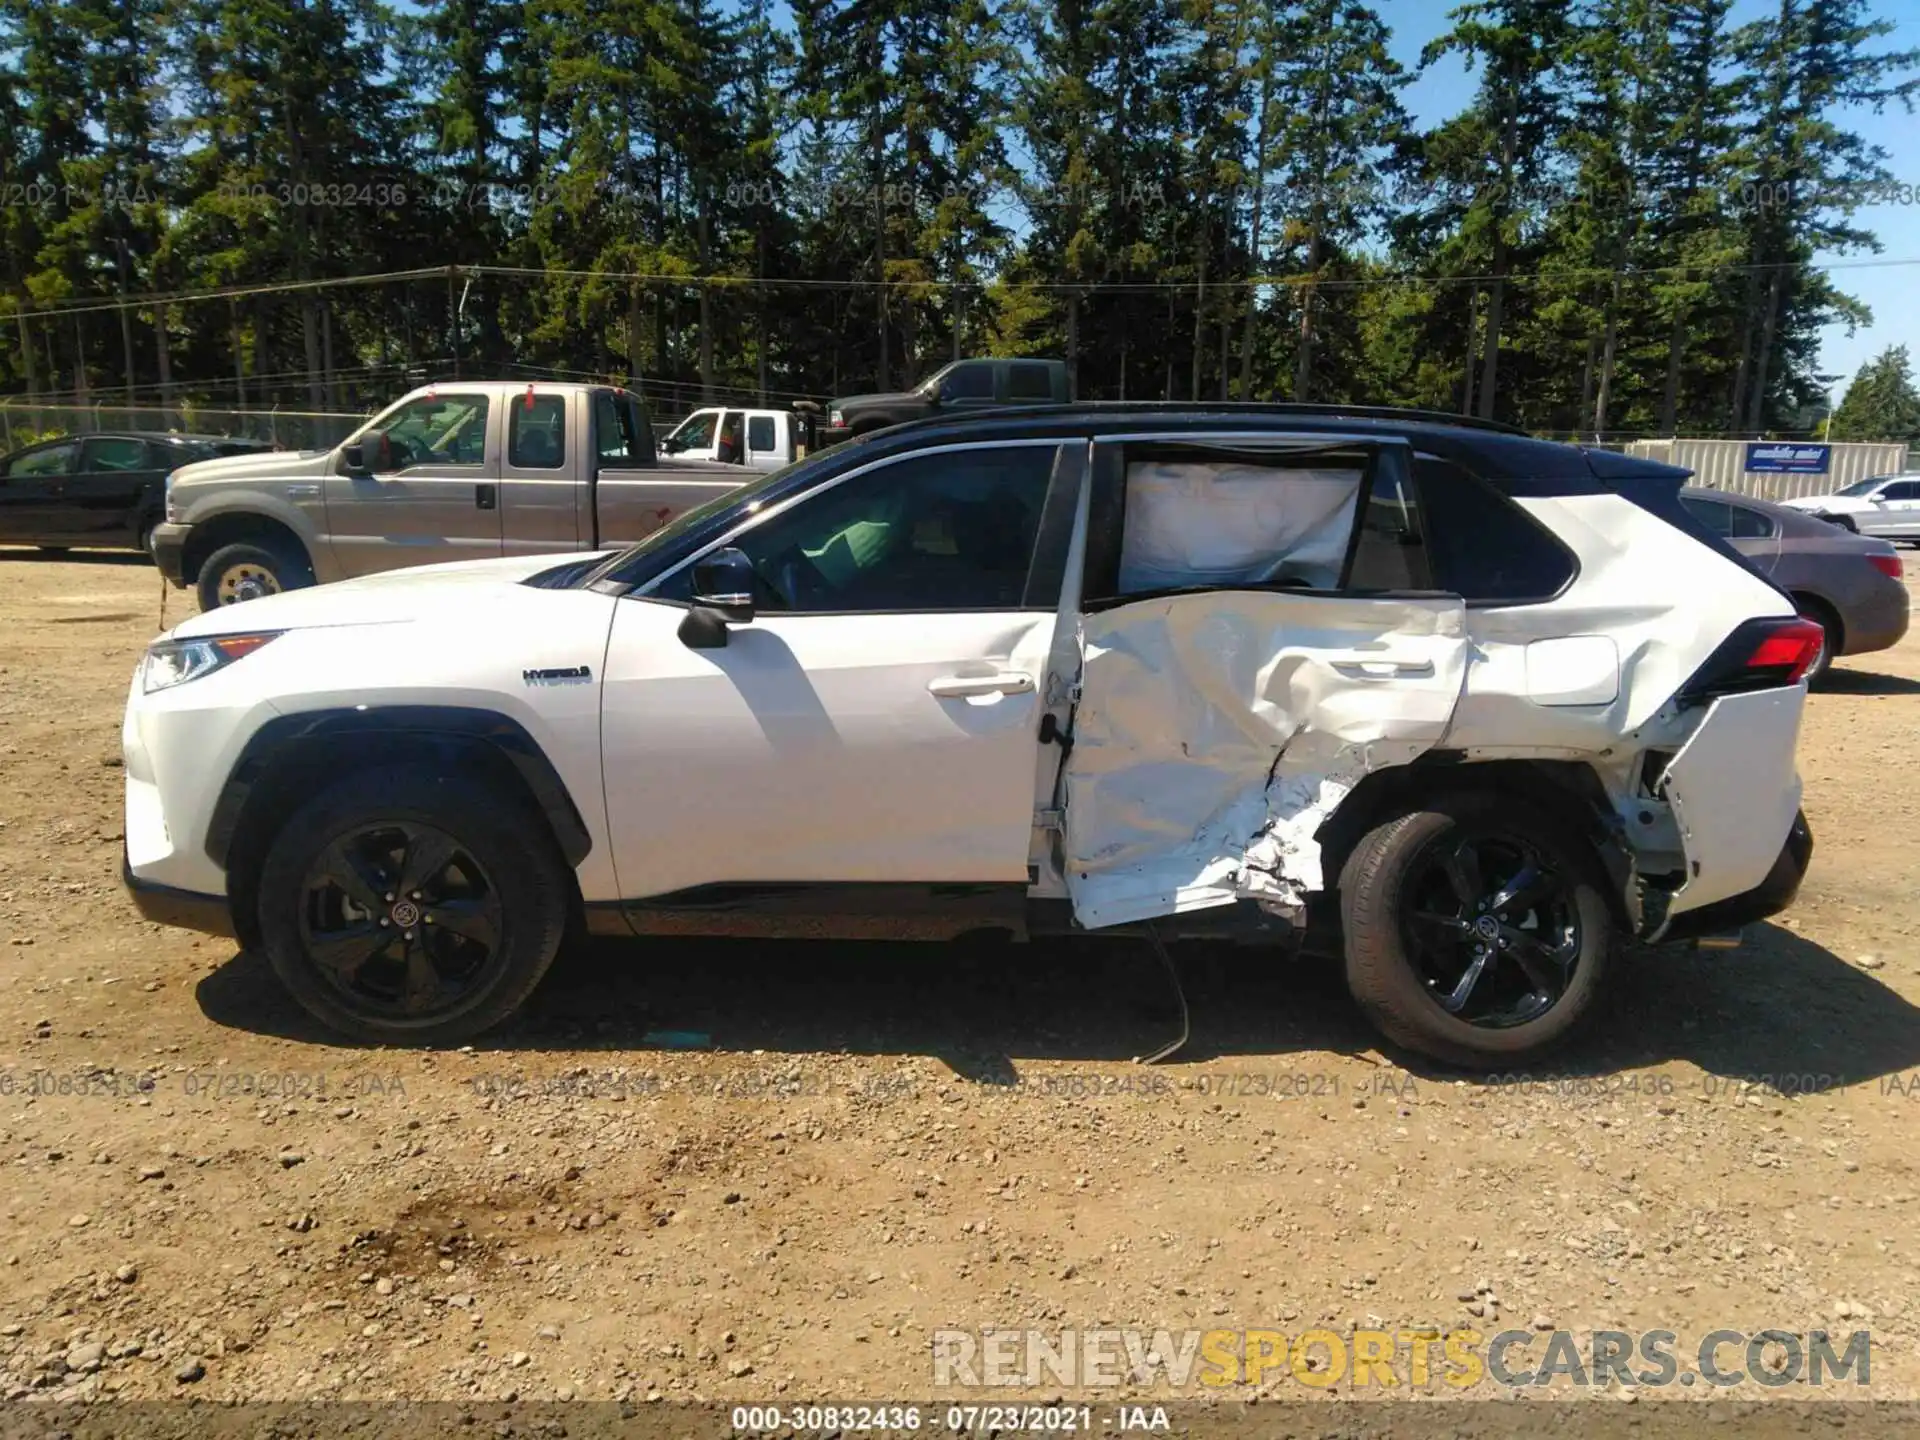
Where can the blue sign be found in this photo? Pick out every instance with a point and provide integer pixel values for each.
(1785, 457)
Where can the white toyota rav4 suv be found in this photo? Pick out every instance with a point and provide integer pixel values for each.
(1476, 708)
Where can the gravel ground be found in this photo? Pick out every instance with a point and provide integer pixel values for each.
(205, 1195)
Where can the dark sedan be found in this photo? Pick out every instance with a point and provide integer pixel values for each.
(105, 491)
(1852, 584)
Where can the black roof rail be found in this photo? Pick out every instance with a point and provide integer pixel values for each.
(1278, 408)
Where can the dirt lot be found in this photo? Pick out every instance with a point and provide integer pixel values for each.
(205, 1195)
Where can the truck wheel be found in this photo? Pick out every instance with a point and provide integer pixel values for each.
(249, 569)
(406, 907)
(1476, 930)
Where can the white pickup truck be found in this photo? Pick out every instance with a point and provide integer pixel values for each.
(460, 470)
(757, 439)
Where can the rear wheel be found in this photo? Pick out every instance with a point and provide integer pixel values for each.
(1475, 930)
(404, 907)
(1823, 615)
(248, 570)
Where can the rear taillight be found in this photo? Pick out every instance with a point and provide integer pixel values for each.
(1758, 655)
(1888, 565)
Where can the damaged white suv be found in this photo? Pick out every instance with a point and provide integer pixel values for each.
(1476, 707)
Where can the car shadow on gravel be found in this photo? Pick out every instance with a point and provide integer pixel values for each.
(1866, 682)
(1782, 1009)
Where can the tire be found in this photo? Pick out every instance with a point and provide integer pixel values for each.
(144, 539)
(1845, 522)
(1390, 878)
(56, 552)
(502, 875)
(1823, 615)
(249, 569)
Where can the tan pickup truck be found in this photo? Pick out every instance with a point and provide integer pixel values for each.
(460, 470)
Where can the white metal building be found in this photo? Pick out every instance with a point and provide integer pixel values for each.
(1776, 469)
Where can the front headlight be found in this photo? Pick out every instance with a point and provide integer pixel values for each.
(836, 419)
(173, 510)
(175, 662)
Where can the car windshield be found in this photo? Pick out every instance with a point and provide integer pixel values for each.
(689, 520)
(1863, 487)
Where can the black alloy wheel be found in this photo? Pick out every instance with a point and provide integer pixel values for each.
(1491, 927)
(400, 918)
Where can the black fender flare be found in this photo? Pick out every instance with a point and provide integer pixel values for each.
(282, 743)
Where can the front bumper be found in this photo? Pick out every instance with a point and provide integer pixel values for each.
(1769, 897)
(831, 435)
(183, 909)
(170, 551)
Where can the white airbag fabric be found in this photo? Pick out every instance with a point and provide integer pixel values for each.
(1213, 523)
(1216, 731)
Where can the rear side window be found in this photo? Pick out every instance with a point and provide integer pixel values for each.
(968, 382)
(1028, 380)
(1716, 515)
(113, 453)
(537, 433)
(1750, 524)
(1482, 546)
(1391, 553)
(760, 432)
(616, 438)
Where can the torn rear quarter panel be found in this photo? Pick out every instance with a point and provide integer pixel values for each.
(1216, 730)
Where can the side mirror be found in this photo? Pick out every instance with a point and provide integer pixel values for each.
(354, 457)
(945, 394)
(722, 593)
(723, 581)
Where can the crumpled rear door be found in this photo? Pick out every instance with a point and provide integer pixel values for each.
(1217, 729)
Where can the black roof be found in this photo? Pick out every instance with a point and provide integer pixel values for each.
(1508, 457)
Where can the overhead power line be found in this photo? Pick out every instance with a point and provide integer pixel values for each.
(93, 305)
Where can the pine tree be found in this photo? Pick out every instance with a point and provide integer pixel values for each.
(1881, 403)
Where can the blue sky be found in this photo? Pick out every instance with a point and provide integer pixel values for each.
(1888, 290)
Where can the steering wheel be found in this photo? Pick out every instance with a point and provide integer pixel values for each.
(790, 581)
(396, 452)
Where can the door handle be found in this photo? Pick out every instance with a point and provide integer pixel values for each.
(960, 687)
(484, 497)
(1385, 669)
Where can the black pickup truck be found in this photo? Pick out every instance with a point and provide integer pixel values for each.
(963, 385)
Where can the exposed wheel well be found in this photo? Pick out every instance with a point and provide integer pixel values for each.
(1564, 787)
(232, 528)
(1827, 613)
(290, 759)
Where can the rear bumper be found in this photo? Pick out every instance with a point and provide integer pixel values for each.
(1769, 897)
(170, 551)
(1879, 622)
(182, 909)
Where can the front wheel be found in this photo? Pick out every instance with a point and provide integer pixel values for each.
(406, 907)
(1476, 931)
(1845, 522)
(249, 570)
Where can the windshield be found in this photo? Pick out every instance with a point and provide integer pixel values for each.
(1863, 487)
(689, 520)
